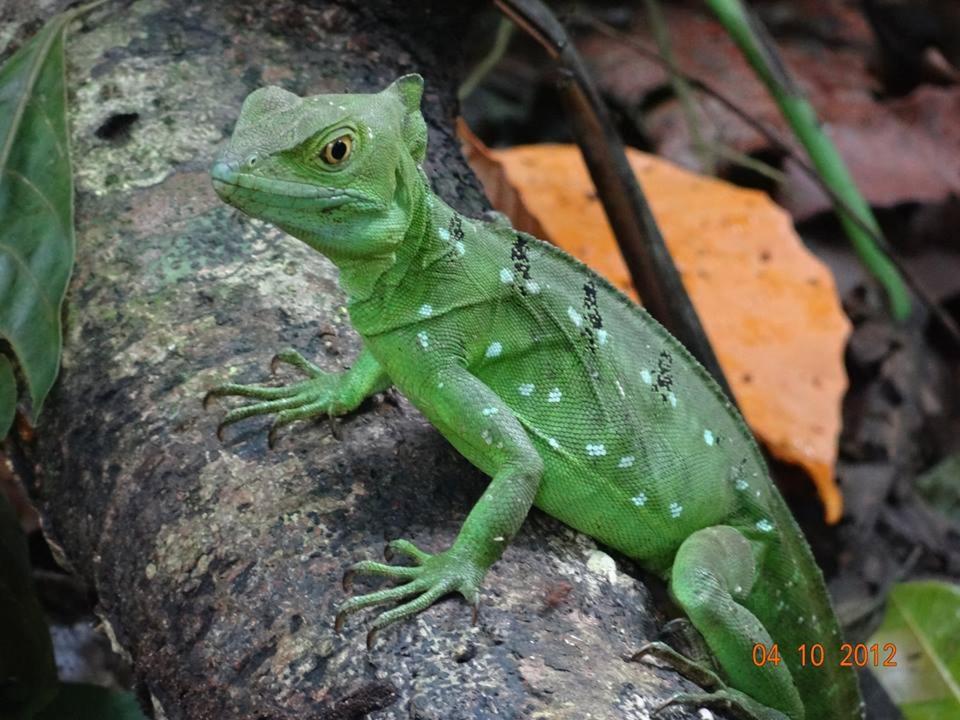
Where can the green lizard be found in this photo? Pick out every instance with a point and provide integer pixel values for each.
(554, 384)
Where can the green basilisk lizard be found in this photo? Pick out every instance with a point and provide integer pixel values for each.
(563, 391)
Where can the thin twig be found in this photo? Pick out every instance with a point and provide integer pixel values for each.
(651, 267)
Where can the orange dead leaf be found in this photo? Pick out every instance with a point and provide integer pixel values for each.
(769, 307)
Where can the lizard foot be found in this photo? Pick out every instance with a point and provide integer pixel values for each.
(432, 577)
(718, 695)
(690, 669)
(314, 397)
(728, 701)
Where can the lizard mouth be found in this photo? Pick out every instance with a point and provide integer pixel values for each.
(236, 187)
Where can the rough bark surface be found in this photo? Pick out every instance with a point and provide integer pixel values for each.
(218, 565)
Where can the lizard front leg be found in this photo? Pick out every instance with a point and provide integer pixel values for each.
(322, 393)
(484, 429)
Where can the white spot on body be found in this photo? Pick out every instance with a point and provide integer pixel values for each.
(423, 339)
(552, 442)
(671, 398)
(626, 461)
(533, 287)
(640, 499)
(675, 509)
(506, 277)
(461, 248)
(741, 484)
(494, 350)
(440, 385)
(646, 377)
(426, 310)
(526, 389)
(574, 316)
(708, 437)
(443, 234)
(764, 525)
(554, 396)
(602, 336)
(620, 388)
(596, 449)
(488, 411)
(487, 437)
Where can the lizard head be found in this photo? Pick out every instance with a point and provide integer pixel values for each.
(336, 171)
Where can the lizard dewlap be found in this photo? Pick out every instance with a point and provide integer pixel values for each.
(546, 378)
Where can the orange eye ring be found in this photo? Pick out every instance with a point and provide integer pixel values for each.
(337, 151)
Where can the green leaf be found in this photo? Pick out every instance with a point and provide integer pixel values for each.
(36, 205)
(78, 701)
(8, 396)
(28, 676)
(923, 625)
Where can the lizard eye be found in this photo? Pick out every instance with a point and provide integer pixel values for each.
(336, 151)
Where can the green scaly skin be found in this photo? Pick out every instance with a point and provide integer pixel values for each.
(564, 392)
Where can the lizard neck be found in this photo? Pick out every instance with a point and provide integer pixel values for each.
(400, 231)
(435, 232)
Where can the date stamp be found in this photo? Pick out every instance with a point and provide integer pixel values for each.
(815, 655)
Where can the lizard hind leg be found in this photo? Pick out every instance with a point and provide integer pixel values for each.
(713, 572)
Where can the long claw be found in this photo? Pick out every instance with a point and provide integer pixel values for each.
(412, 607)
(258, 392)
(731, 702)
(395, 572)
(407, 549)
(690, 669)
(261, 408)
(400, 592)
(294, 358)
(302, 412)
(334, 427)
(272, 436)
(371, 639)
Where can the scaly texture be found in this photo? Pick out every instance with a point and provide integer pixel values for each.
(547, 379)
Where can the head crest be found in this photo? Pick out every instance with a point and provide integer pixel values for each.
(409, 89)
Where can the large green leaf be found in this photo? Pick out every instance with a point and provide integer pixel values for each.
(36, 206)
(923, 625)
(28, 676)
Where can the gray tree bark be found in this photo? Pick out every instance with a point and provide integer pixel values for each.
(218, 566)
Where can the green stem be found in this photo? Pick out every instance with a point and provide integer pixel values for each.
(750, 36)
(500, 43)
(681, 88)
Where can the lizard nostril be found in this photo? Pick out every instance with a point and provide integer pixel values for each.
(251, 161)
